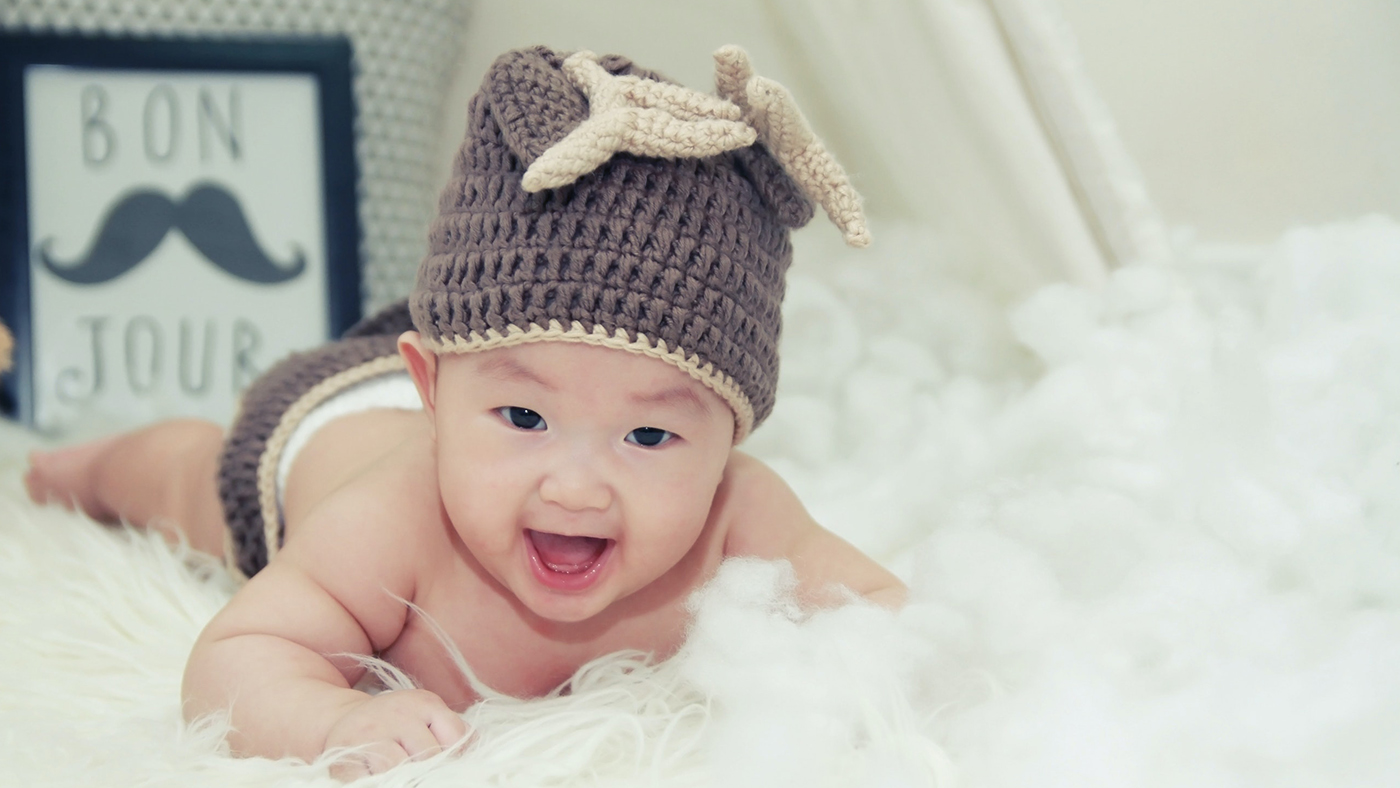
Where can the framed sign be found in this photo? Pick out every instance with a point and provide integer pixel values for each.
(176, 215)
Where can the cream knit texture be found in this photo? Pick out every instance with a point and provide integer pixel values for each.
(773, 112)
(640, 116)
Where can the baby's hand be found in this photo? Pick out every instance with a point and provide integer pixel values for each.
(392, 727)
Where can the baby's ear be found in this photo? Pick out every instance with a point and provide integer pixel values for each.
(421, 363)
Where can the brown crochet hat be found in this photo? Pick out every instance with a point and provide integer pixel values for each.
(595, 202)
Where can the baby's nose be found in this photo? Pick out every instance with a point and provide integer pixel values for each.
(576, 485)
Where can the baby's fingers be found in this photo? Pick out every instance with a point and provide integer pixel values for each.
(419, 742)
(370, 759)
(432, 719)
(390, 728)
(447, 727)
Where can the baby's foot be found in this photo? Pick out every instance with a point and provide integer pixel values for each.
(66, 477)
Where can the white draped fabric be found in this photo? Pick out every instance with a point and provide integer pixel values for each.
(974, 117)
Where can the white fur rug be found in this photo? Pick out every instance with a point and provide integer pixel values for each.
(1153, 536)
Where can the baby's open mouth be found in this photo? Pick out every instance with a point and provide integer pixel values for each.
(567, 554)
(566, 563)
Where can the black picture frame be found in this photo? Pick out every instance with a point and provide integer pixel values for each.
(328, 59)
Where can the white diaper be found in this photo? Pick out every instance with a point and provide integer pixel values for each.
(394, 390)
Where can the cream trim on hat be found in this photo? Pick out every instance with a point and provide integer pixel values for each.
(714, 379)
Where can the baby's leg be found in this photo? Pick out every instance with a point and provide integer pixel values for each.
(162, 476)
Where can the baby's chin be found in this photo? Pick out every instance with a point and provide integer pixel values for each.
(560, 608)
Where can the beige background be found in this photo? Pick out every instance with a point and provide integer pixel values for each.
(1246, 116)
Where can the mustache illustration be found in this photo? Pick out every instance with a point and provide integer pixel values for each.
(209, 217)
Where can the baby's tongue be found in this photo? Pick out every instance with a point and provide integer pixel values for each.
(567, 554)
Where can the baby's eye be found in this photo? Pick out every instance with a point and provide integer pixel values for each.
(649, 436)
(524, 418)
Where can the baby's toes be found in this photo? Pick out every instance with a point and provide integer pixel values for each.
(34, 479)
(50, 480)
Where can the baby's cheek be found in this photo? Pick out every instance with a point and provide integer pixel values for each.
(475, 513)
(684, 520)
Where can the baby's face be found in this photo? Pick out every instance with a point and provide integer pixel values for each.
(576, 475)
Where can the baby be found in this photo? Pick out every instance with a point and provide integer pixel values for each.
(537, 450)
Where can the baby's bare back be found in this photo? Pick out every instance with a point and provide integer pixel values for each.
(364, 491)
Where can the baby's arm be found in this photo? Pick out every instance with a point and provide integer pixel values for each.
(766, 520)
(268, 657)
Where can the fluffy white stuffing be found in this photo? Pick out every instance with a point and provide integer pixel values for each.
(1152, 535)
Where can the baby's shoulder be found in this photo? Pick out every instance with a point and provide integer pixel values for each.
(761, 513)
(768, 521)
(371, 544)
(400, 483)
(745, 474)
(387, 517)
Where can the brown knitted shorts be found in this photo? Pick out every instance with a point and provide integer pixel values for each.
(270, 411)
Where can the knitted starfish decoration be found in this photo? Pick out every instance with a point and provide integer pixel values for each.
(651, 118)
(770, 108)
(640, 116)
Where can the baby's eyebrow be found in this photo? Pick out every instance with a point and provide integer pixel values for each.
(682, 396)
(505, 368)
